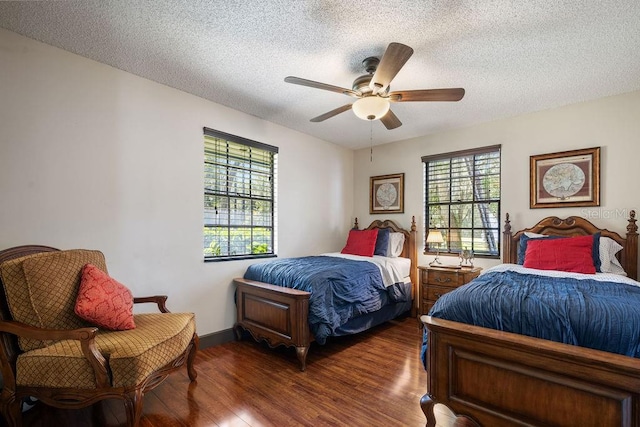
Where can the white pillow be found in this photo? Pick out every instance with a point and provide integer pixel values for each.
(534, 235)
(608, 261)
(396, 243)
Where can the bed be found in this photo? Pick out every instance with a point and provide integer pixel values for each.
(288, 316)
(479, 376)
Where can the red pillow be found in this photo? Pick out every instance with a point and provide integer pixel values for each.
(573, 254)
(361, 242)
(104, 301)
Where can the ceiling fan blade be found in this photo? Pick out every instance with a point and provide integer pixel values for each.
(323, 86)
(390, 120)
(331, 113)
(394, 58)
(454, 94)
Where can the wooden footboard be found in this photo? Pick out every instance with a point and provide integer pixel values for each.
(275, 314)
(280, 315)
(502, 379)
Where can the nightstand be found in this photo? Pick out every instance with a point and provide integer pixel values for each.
(437, 281)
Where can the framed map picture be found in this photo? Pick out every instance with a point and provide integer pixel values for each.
(565, 179)
(386, 194)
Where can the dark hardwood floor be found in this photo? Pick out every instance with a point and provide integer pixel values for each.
(371, 379)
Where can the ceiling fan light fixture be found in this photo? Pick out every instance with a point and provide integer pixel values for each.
(371, 107)
(373, 90)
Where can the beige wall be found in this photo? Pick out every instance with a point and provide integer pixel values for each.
(94, 157)
(611, 123)
(98, 158)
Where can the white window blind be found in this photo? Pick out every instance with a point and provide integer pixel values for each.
(462, 200)
(239, 197)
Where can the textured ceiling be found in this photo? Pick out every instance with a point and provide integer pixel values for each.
(511, 57)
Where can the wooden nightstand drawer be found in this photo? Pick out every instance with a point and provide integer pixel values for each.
(437, 281)
(435, 292)
(444, 278)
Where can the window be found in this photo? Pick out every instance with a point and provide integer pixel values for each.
(462, 200)
(239, 197)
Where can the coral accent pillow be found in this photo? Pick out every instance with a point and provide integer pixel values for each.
(574, 254)
(103, 301)
(361, 242)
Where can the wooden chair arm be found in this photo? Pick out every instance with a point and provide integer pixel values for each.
(86, 336)
(160, 300)
(27, 331)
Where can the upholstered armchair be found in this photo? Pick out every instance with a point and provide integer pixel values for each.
(50, 352)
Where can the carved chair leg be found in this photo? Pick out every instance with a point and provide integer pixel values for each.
(97, 412)
(195, 343)
(11, 409)
(426, 404)
(301, 352)
(133, 407)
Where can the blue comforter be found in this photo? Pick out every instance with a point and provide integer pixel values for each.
(583, 312)
(341, 289)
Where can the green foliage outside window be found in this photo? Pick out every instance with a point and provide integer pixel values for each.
(239, 197)
(462, 193)
(242, 241)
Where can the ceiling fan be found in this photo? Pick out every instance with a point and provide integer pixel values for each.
(373, 91)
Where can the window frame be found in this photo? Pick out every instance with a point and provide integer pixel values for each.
(230, 196)
(446, 246)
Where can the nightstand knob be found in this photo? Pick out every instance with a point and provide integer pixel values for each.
(437, 295)
(443, 279)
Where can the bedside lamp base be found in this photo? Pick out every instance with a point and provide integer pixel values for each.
(436, 260)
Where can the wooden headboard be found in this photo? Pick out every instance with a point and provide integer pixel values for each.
(410, 249)
(577, 226)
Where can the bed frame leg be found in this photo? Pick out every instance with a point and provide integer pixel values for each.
(426, 403)
(237, 331)
(301, 352)
(451, 419)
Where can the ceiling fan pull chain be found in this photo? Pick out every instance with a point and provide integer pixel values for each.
(371, 141)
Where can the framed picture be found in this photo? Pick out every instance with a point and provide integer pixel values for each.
(565, 179)
(386, 194)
